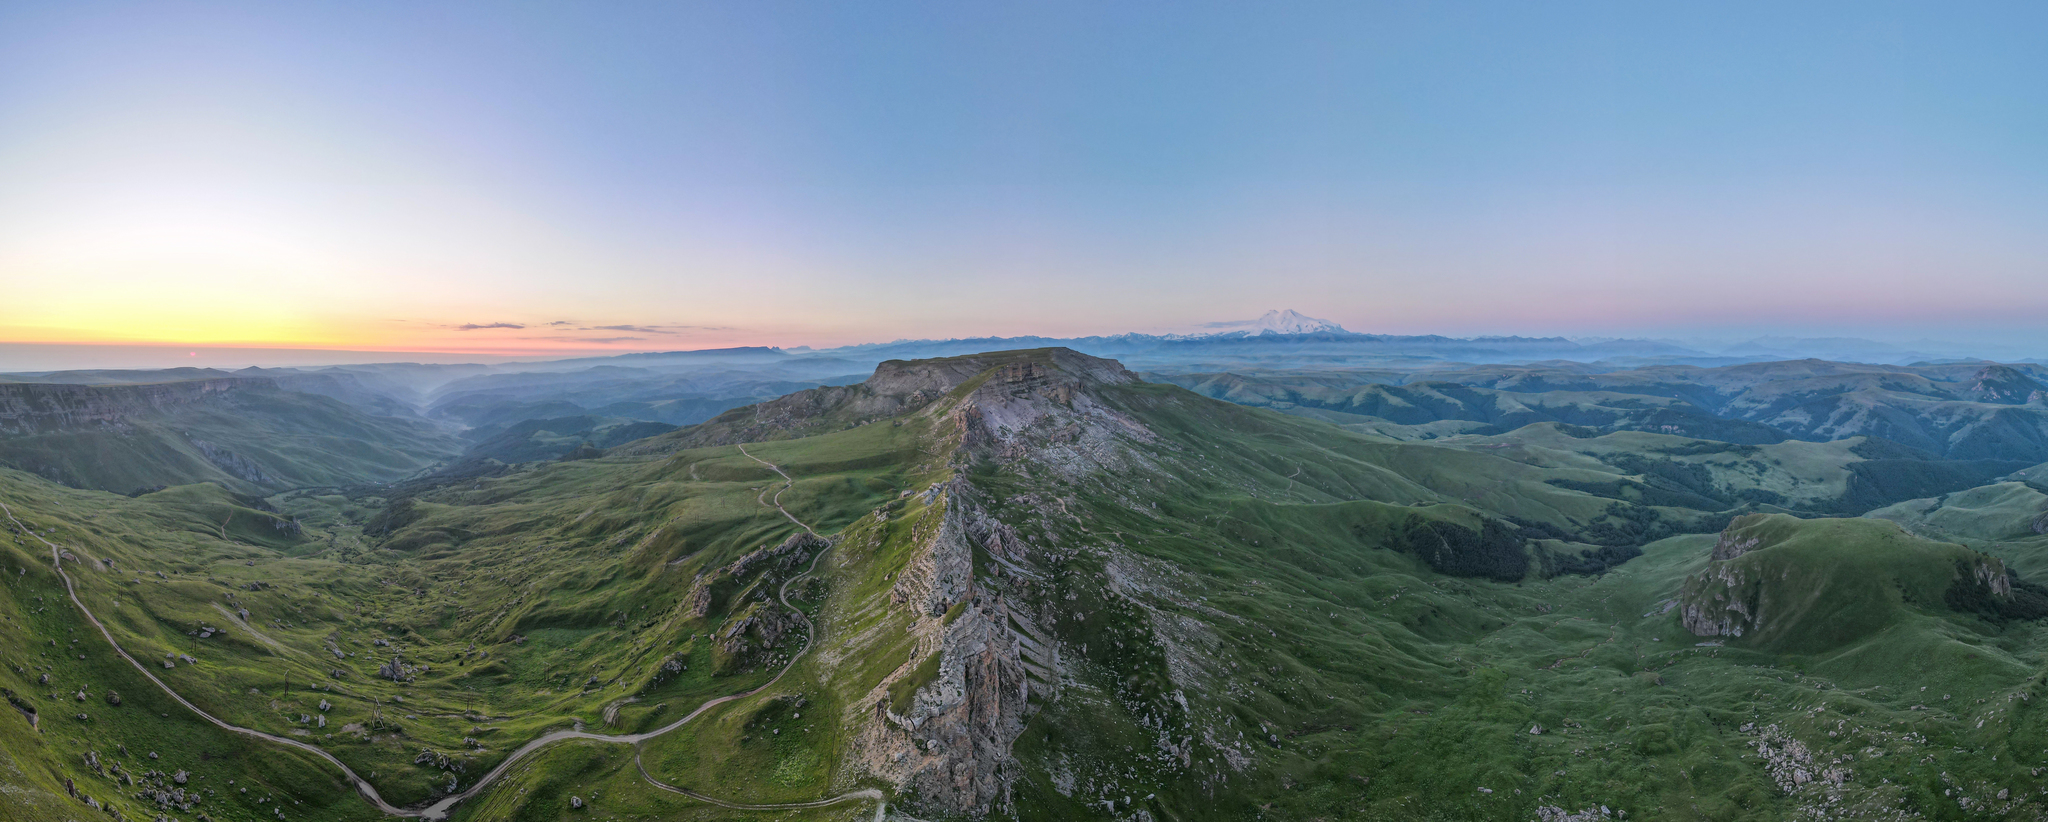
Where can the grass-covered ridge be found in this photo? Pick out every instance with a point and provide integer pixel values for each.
(1216, 612)
(245, 434)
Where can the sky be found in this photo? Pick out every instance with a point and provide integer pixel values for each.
(513, 178)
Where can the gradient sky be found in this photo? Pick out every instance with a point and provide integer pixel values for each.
(531, 177)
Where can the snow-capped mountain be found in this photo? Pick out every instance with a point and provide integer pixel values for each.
(1286, 321)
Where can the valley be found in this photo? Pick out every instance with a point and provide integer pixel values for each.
(1023, 412)
(1032, 584)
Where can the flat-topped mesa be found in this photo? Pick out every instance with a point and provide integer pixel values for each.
(36, 407)
(1046, 409)
(900, 387)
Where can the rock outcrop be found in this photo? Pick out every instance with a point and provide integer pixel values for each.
(942, 726)
(2001, 384)
(754, 632)
(771, 563)
(1811, 585)
(1720, 601)
(787, 556)
(942, 571)
(1043, 410)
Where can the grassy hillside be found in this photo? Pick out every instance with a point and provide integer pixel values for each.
(1960, 411)
(1050, 592)
(251, 438)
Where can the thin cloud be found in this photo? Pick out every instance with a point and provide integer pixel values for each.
(637, 329)
(476, 327)
(1229, 324)
(560, 323)
(586, 339)
(655, 329)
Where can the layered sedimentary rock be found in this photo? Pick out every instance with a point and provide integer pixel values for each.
(949, 748)
(37, 407)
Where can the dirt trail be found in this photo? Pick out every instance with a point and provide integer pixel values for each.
(440, 809)
(869, 793)
(56, 560)
(786, 483)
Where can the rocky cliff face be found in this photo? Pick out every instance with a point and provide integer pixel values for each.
(941, 573)
(1045, 412)
(1722, 600)
(1735, 541)
(949, 746)
(29, 408)
(942, 726)
(900, 387)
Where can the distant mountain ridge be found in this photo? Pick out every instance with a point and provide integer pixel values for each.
(248, 434)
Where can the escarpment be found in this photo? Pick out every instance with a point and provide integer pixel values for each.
(941, 727)
(29, 408)
(897, 388)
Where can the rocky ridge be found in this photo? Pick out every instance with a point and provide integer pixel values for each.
(968, 678)
(897, 388)
(942, 726)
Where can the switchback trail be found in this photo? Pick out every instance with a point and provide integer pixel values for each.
(440, 809)
(786, 484)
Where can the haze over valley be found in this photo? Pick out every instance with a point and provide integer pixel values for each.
(1569, 412)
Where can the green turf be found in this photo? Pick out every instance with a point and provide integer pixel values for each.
(1252, 622)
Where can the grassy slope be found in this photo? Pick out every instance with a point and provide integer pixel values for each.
(1371, 686)
(290, 439)
(559, 573)
(1397, 693)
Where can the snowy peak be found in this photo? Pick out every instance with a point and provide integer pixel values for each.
(1288, 321)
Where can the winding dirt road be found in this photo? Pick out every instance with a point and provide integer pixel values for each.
(368, 791)
(786, 483)
(440, 809)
